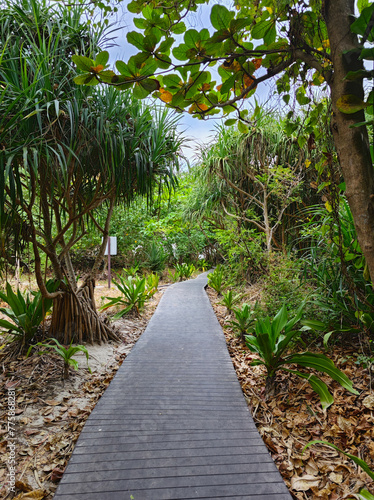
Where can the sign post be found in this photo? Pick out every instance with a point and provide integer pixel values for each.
(111, 249)
(109, 270)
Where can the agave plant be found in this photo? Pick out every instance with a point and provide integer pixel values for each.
(271, 340)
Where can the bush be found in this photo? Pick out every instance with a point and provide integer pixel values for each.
(282, 285)
(26, 311)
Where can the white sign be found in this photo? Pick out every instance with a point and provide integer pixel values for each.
(113, 245)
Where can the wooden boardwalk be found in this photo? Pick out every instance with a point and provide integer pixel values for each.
(173, 424)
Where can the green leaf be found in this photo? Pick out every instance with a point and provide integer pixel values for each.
(360, 24)
(229, 84)
(243, 128)
(318, 386)
(362, 4)
(150, 43)
(179, 28)
(180, 52)
(365, 495)
(165, 45)
(134, 7)
(323, 364)
(106, 76)
(172, 81)
(361, 73)
(136, 39)
(86, 79)
(230, 122)
(361, 463)
(278, 324)
(265, 348)
(8, 325)
(150, 84)
(102, 58)
(260, 30)
(367, 53)
(83, 63)
(140, 23)
(350, 104)
(220, 17)
(191, 38)
(123, 68)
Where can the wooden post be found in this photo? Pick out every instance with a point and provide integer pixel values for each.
(109, 270)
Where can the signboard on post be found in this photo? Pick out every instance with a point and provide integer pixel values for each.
(111, 249)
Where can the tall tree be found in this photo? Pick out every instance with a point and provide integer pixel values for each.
(67, 151)
(301, 44)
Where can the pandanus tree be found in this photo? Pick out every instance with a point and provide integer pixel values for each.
(68, 152)
(253, 177)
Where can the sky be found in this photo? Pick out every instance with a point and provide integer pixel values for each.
(198, 132)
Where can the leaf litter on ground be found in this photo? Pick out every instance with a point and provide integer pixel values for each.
(50, 412)
(294, 416)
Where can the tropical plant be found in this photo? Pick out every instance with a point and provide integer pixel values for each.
(71, 151)
(155, 258)
(174, 276)
(202, 264)
(215, 279)
(299, 44)
(26, 311)
(271, 341)
(244, 319)
(281, 284)
(185, 270)
(134, 295)
(65, 353)
(229, 299)
(152, 281)
(132, 270)
(364, 494)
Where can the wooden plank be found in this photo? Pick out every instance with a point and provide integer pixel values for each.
(173, 424)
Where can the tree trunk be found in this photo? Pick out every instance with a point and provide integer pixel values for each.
(352, 144)
(75, 318)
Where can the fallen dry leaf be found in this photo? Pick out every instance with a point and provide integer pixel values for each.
(304, 483)
(57, 474)
(35, 495)
(25, 487)
(336, 478)
(52, 402)
(369, 402)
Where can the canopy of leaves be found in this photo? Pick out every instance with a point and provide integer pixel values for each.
(247, 45)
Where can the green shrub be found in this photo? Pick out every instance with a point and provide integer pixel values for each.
(271, 340)
(152, 281)
(185, 270)
(215, 279)
(229, 300)
(173, 276)
(134, 295)
(26, 311)
(282, 285)
(155, 258)
(65, 353)
(244, 319)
